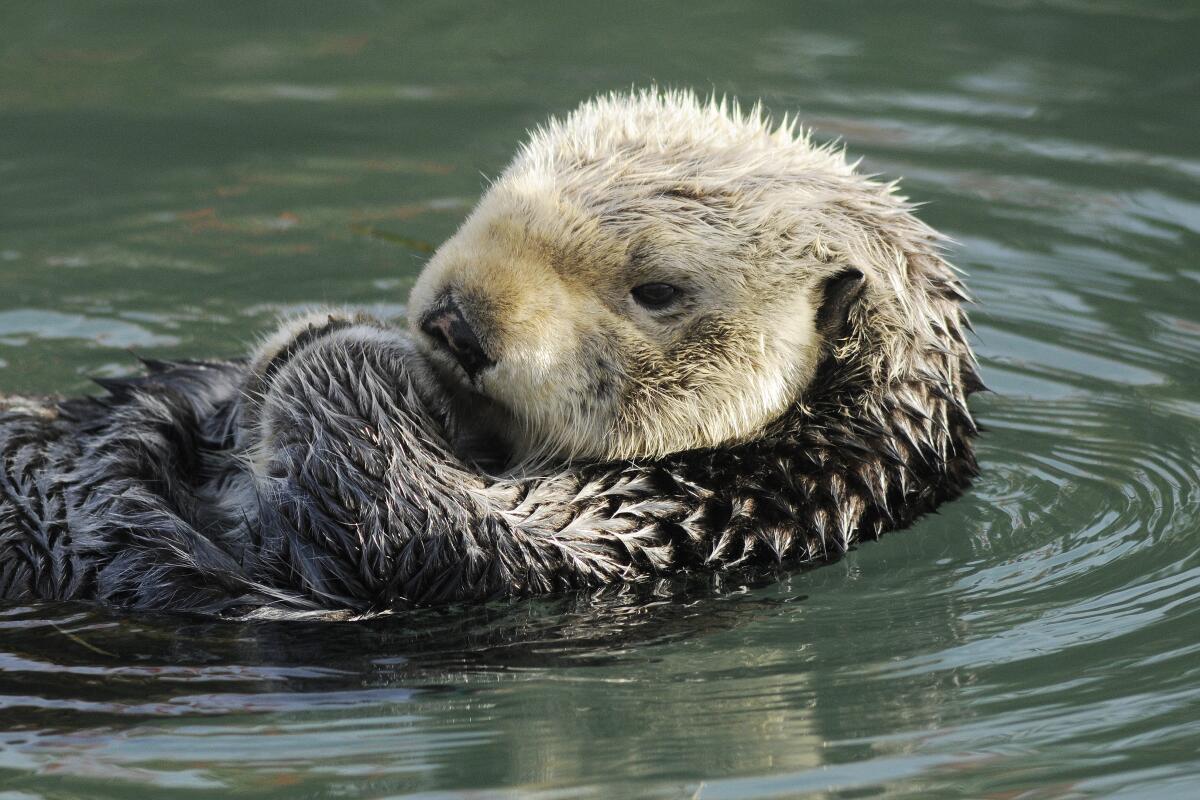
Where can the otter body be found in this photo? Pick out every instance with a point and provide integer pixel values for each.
(695, 341)
(159, 495)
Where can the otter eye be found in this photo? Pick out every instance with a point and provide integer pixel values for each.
(654, 295)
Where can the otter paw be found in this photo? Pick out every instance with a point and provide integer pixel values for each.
(295, 333)
(292, 336)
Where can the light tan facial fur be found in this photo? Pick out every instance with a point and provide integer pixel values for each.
(747, 219)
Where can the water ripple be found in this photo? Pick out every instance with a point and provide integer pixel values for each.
(1036, 638)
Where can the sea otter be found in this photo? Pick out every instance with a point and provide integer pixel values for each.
(672, 337)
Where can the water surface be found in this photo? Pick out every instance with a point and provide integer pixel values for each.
(174, 175)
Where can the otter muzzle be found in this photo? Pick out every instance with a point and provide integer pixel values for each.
(450, 331)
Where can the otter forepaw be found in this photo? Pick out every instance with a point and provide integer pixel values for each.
(292, 337)
(295, 333)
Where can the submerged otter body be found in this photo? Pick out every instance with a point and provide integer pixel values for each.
(817, 400)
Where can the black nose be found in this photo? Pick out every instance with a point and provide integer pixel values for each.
(446, 325)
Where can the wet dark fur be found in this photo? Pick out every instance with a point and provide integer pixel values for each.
(144, 498)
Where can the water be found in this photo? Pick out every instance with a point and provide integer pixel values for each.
(174, 175)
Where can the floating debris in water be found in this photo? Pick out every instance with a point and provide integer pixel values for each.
(420, 245)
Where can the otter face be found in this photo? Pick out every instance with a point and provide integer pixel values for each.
(637, 284)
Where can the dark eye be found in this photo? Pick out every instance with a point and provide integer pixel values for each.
(655, 295)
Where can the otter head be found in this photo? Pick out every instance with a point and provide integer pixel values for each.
(656, 274)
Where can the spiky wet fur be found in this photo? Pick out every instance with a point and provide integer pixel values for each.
(326, 473)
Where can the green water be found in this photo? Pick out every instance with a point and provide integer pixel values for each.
(173, 175)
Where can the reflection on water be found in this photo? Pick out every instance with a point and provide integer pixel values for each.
(172, 178)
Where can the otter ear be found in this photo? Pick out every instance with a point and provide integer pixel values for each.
(840, 292)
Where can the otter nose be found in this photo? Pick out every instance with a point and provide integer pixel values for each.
(447, 326)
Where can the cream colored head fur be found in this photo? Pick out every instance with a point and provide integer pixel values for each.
(748, 220)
